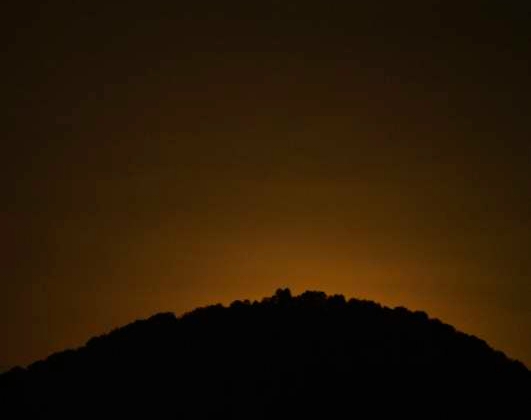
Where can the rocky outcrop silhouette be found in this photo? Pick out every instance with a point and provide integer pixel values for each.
(299, 356)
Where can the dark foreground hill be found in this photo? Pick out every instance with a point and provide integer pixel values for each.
(285, 355)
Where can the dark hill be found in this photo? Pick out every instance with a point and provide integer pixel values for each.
(309, 354)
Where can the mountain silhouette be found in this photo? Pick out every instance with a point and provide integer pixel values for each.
(299, 356)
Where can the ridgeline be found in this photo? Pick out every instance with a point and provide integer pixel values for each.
(284, 355)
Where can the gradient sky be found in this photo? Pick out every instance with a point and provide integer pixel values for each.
(160, 157)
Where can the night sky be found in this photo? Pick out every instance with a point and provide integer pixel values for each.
(161, 157)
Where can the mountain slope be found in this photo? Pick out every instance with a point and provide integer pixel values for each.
(298, 355)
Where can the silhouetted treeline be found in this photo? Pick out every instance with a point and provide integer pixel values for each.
(306, 355)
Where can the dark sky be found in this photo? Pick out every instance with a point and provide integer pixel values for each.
(163, 156)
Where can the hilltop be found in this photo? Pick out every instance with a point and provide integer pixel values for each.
(303, 354)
